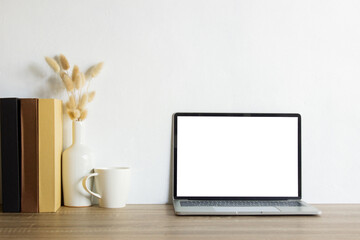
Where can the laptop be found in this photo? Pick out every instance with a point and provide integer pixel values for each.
(237, 164)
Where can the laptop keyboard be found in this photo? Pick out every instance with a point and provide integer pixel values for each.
(236, 203)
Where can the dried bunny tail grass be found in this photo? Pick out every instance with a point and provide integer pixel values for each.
(75, 73)
(96, 69)
(71, 104)
(76, 113)
(83, 79)
(53, 64)
(71, 114)
(64, 62)
(67, 81)
(78, 82)
(83, 101)
(88, 73)
(91, 96)
(83, 115)
(72, 100)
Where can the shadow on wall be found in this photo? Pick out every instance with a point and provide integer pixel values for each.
(51, 88)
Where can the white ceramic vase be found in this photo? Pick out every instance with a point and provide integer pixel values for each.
(77, 162)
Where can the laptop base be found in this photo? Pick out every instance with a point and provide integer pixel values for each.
(305, 209)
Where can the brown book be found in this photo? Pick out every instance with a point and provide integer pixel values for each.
(29, 155)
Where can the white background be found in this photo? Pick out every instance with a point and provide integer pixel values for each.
(164, 56)
(237, 156)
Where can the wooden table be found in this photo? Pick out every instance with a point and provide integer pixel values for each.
(159, 222)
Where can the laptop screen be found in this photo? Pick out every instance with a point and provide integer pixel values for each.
(237, 155)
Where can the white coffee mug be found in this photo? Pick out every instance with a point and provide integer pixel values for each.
(112, 185)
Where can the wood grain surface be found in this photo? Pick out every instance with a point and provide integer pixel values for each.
(159, 222)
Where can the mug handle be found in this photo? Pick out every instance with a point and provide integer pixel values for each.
(84, 183)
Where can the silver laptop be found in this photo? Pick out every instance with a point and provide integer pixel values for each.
(237, 164)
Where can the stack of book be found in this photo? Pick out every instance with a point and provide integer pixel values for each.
(31, 146)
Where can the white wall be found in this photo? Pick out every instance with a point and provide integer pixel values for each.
(198, 55)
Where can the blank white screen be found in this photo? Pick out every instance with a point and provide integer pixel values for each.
(237, 156)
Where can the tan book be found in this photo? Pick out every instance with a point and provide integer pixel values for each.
(50, 149)
(29, 155)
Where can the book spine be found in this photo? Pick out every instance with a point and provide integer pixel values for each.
(10, 154)
(58, 149)
(29, 155)
(50, 149)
